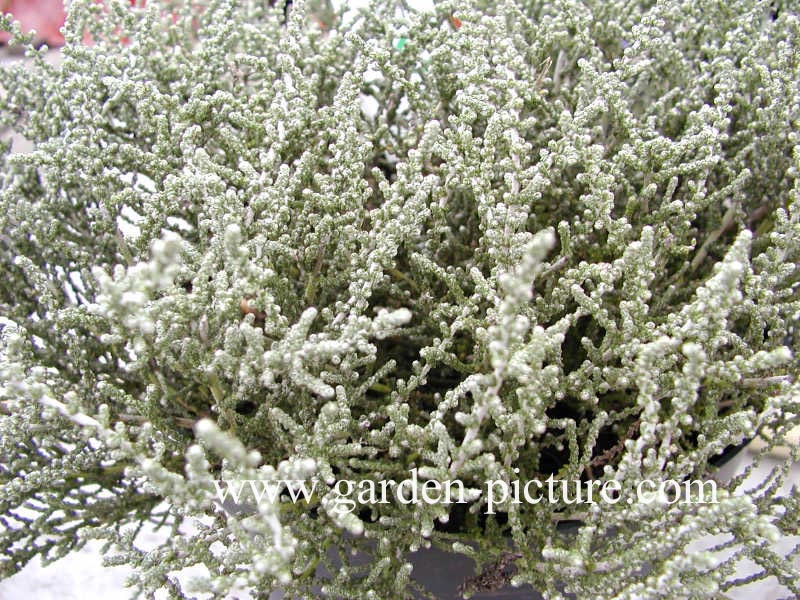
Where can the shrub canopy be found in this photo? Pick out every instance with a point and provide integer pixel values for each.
(491, 241)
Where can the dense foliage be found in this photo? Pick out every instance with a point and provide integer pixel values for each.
(493, 241)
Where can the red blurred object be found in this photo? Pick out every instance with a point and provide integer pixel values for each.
(456, 22)
(45, 16)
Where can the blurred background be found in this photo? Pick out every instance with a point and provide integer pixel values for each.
(44, 16)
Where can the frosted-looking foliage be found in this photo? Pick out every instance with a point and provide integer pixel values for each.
(490, 241)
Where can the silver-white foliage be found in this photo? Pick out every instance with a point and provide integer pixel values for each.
(536, 238)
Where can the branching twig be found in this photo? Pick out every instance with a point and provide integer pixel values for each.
(609, 455)
(494, 576)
